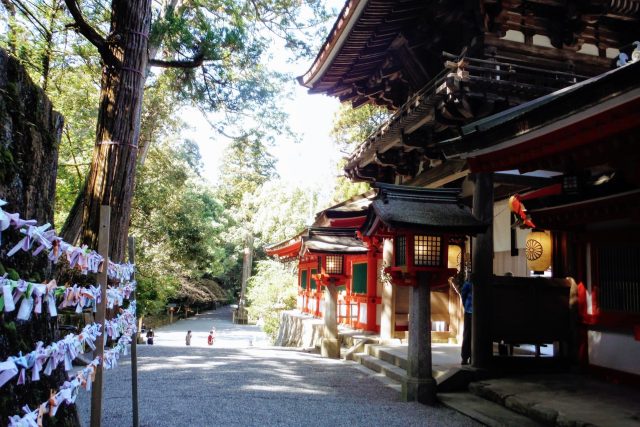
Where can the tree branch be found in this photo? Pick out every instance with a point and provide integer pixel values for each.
(197, 61)
(90, 33)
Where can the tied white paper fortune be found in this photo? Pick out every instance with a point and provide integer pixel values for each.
(69, 390)
(67, 394)
(81, 258)
(46, 359)
(32, 295)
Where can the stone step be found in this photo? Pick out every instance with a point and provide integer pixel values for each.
(388, 382)
(440, 374)
(380, 352)
(357, 346)
(454, 379)
(393, 372)
(485, 411)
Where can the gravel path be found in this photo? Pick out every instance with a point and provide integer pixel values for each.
(242, 381)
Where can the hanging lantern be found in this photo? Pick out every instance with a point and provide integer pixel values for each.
(454, 257)
(538, 251)
(334, 264)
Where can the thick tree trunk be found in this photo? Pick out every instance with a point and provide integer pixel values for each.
(111, 177)
(73, 226)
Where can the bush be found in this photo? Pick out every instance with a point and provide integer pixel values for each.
(270, 291)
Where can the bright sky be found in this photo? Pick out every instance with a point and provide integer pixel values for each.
(309, 162)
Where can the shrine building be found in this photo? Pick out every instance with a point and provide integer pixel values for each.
(510, 151)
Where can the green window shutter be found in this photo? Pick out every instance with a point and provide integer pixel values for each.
(303, 279)
(359, 285)
(313, 282)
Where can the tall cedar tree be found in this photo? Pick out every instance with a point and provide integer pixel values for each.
(127, 54)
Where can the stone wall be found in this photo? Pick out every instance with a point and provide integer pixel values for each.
(299, 330)
(29, 138)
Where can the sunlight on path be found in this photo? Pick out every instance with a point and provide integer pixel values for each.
(234, 383)
(228, 335)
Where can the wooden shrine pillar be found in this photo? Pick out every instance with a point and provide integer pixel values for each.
(388, 315)
(372, 288)
(420, 385)
(330, 346)
(482, 268)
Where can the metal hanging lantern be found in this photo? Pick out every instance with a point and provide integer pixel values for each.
(538, 251)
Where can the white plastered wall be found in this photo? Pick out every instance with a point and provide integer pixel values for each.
(614, 351)
(502, 260)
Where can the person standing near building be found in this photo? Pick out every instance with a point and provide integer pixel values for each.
(188, 338)
(467, 301)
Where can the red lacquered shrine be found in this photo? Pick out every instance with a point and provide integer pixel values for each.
(511, 99)
(422, 223)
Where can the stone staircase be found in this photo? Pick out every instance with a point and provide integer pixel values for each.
(390, 364)
(389, 361)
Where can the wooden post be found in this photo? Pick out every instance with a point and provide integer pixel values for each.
(134, 345)
(372, 288)
(388, 317)
(482, 267)
(103, 249)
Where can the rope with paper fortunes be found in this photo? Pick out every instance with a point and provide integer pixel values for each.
(67, 349)
(33, 295)
(79, 257)
(123, 327)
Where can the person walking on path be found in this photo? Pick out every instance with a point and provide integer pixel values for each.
(150, 335)
(188, 338)
(467, 300)
(212, 336)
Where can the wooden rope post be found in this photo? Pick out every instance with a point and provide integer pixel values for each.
(103, 249)
(134, 344)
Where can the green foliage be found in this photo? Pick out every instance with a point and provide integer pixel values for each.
(247, 165)
(177, 222)
(351, 127)
(154, 289)
(345, 189)
(12, 274)
(280, 210)
(270, 291)
(7, 166)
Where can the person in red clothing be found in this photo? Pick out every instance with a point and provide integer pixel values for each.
(212, 336)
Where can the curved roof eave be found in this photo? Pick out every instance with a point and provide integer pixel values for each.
(331, 47)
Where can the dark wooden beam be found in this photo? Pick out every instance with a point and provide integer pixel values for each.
(522, 180)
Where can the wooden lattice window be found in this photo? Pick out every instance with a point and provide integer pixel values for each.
(619, 279)
(400, 250)
(427, 251)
